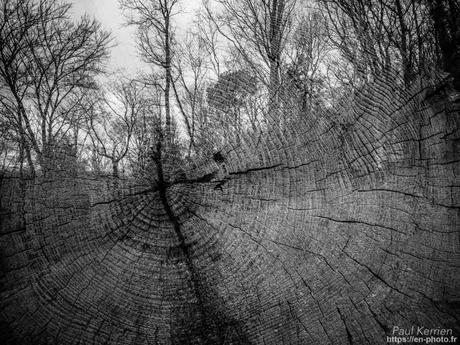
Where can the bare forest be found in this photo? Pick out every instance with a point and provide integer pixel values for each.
(276, 172)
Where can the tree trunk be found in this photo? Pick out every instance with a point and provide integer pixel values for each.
(115, 173)
(25, 154)
(402, 45)
(276, 17)
(445, 15)
(169, 134)
(30, 163)
(24, 142)
(274, 90)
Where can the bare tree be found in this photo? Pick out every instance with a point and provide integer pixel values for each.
(376, 35)
(113, 121)
(192, 66)
(229, 104)
(19, 20)
(153, 19)
(306, 51)
(208, 34)
(257, 31)
(148, 122)
(45, 58)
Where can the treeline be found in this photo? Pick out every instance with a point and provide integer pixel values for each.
(243, 67)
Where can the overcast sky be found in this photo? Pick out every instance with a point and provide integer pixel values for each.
(124, 54)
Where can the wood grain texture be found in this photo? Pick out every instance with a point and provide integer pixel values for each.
(329, 232)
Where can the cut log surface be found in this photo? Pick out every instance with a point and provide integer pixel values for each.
(333, 231)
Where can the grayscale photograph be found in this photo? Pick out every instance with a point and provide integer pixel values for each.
(229, 172)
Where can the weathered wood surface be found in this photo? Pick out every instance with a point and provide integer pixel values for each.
(331, 232)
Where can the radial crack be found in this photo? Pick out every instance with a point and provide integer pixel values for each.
(162, 189)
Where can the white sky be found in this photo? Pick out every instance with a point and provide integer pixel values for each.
(108, 12)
